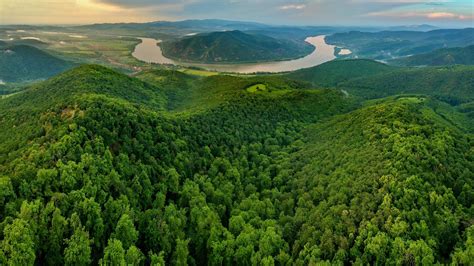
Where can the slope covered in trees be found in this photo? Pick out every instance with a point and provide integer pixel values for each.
(24, 63)
(233, 46)
(332, 73)
(98, 167)
(453, 84)
(370, 79)
(446, 56)
(390, 44)
(388, 184)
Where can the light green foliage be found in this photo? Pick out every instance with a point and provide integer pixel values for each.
(257, 88)
(181, 253)
(125, 231)
(134, 256)
(463, 255)
(78, 250)
(157, 260)
(114, 254)
(18, 245)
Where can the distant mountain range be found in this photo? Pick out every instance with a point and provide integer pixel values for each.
(181, 28)
(233, 46)
(421, 27)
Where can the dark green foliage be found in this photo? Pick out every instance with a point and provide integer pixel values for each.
(445, 56)
(233, 46)
(390, 44)
(95, 169)
(24, 62)
(369, 79)
(450, 84)
(332, 73)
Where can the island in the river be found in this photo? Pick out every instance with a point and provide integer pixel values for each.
(234, 47)
(150, 51)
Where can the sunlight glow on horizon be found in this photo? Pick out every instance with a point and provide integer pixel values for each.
(307, 12)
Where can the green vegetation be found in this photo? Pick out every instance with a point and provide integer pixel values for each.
(379, 186)
(257, 88)
(370, 79)
(332, 73)
(26, 63)
(233, 47)
(389, 44)
(451, 84)
(199, 72)
(165, 167)
(446, 56)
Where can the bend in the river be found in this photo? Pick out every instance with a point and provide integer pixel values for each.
(149, 51)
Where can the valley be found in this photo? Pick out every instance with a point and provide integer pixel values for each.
(150, 51)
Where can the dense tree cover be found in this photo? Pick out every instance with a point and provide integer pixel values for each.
(234, 46)
(24, 62)
(440, 57)
(103, 175)
(386, 184)
(452, 84)
(332, 73)
(371, 79)
(386, 45)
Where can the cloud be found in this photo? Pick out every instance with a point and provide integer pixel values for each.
(437, 15)
(446, 15)
(292, 7)
(424, 15)
(141, 3)
(302, 12)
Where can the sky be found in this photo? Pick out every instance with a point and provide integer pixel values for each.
(444, 13)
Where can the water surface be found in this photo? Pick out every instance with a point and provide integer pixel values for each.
(149, 51)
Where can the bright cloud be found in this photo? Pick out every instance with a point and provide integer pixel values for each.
(289, 7)
(446, 15)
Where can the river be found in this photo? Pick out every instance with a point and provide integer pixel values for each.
(149, 51)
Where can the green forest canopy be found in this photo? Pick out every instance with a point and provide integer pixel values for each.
(98, 167)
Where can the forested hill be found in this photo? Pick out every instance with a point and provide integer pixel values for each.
(446, 56)
(25, 63)
(100, 168)
(371, 79)
(386, 45)
(334, 72)
(387, 184)
(453, 84)
(234, 46)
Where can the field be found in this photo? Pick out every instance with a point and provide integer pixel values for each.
(82, 46)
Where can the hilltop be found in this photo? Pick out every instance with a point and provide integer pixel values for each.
(233, 46)
(332, 73)
(26, 63)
